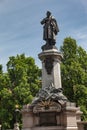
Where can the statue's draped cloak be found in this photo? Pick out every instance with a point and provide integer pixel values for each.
(50, 29)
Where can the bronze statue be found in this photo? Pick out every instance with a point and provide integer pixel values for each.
(50, 29)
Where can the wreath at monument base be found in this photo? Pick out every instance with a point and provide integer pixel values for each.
(49, 95)
(45, 106)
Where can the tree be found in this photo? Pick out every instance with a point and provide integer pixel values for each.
(69, 50)
(18, 87)
(80, 96)
(73, 69)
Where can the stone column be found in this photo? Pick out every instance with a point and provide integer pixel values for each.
(51, 74)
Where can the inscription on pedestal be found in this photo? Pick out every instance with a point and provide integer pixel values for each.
(48, 119)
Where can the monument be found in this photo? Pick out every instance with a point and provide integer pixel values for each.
(50, 109)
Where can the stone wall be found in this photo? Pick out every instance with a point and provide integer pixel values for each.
(82, 125)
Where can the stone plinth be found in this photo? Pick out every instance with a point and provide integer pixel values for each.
(70, 116)
(51, 60)
(54, 117)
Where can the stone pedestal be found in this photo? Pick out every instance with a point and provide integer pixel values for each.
(54, 118)
(50, 110)
(51, 60)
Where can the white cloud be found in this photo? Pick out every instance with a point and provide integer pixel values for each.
(81, 37)
(80, 33)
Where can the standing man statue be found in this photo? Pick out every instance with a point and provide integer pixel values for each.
(50, 29)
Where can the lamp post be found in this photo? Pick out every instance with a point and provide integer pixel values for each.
(17, 111)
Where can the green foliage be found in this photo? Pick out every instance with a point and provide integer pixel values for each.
(69, 49)
(74, 73)
(80, 96)
(17, 87)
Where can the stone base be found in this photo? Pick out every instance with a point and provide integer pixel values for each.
(52, 128)
(65, 118)
(48, 47)
(46, 128)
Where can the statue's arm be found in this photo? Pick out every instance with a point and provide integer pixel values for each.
(43, 21)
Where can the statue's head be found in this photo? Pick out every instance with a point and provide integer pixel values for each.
(48, 13)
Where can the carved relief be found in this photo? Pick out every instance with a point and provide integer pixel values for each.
(45, 106)
(49, 64)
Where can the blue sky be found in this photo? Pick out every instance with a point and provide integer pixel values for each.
(21, 31)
